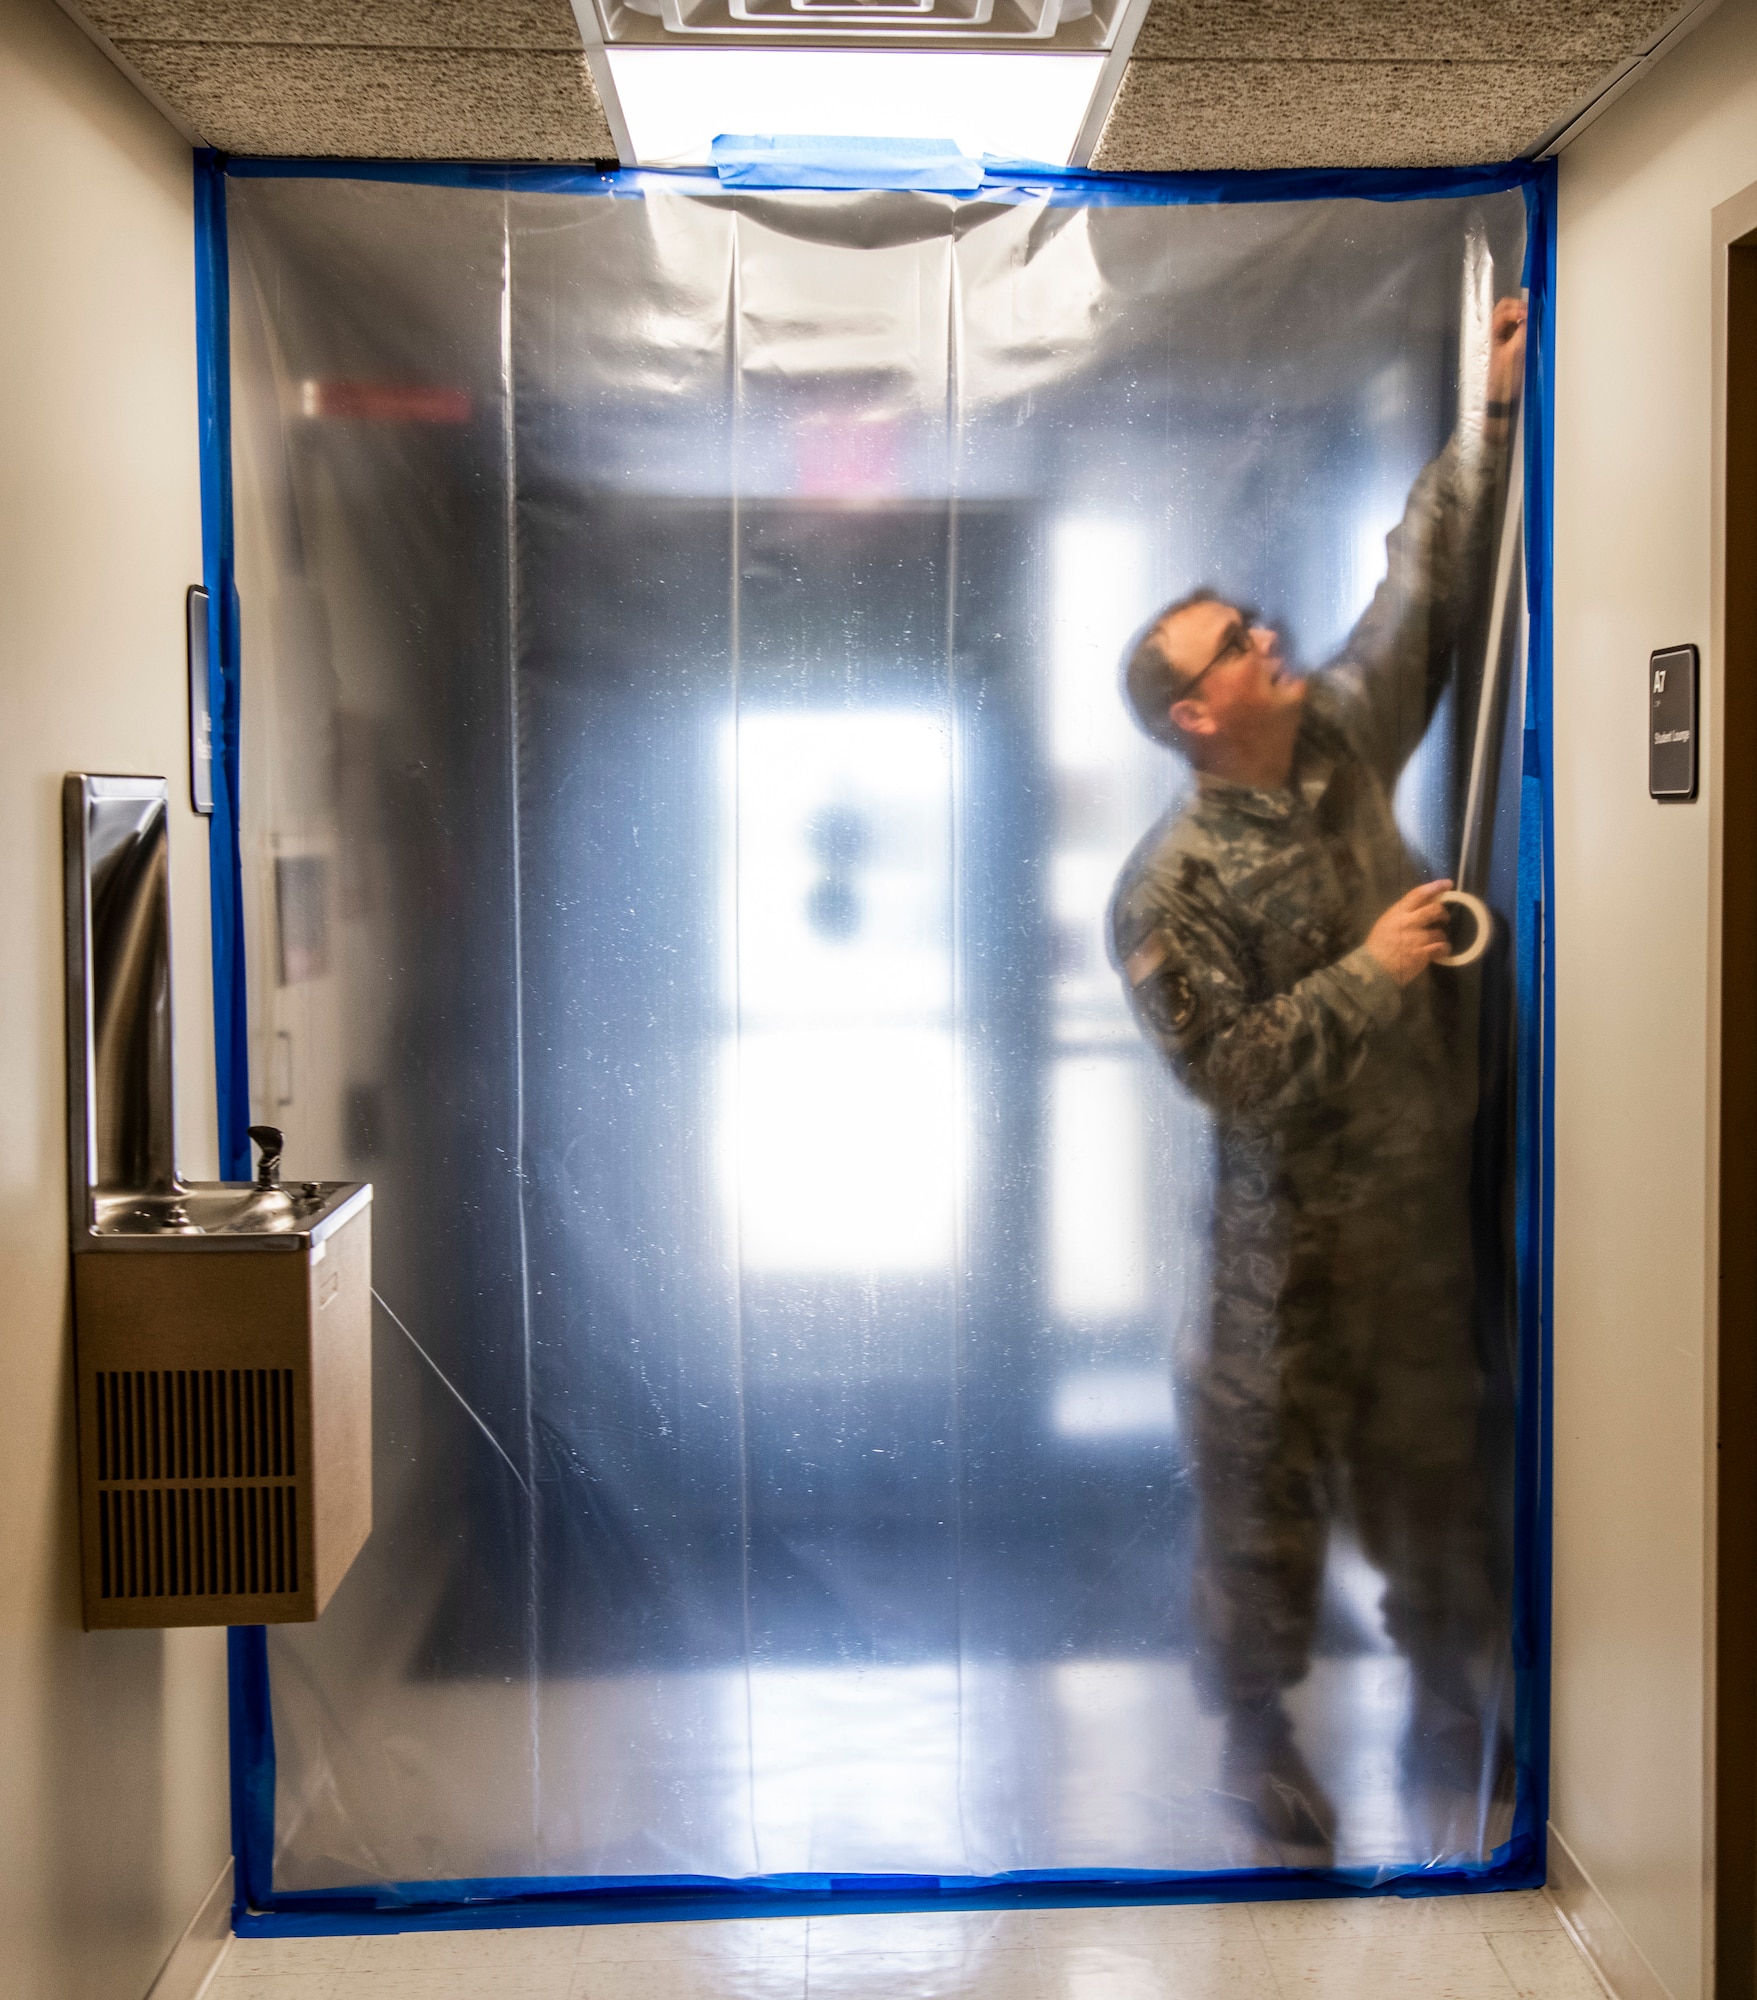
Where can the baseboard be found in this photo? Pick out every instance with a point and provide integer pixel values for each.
(1594, 1926)
(196, 1955)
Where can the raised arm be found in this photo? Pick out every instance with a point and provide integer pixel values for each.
(1394, 665)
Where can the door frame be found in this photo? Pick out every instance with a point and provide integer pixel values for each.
(1729, 722)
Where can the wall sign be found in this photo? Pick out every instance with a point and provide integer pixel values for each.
(1671, 723)
(201, 735)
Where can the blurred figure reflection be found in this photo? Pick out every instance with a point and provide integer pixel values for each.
(1275, 942)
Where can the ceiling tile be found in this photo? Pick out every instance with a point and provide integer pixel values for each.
(1605, 31)
(381, 103)
(469, 24)
(1181, 115)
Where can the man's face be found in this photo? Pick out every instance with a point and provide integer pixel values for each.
(1234, 682)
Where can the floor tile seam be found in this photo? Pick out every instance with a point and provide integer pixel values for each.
(1501, 1965)
(238, 1977)
(280, 1985)
(1277, 1985)
(939, 1953)
(1299, 1956)
(1268, 1933)
(1592, 1972)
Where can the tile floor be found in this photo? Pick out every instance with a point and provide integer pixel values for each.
(1507, 1947)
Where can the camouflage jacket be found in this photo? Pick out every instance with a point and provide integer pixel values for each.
(1239, 921)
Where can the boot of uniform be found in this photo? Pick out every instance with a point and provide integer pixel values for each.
(1272, 1786)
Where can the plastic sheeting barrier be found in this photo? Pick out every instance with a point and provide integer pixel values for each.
(685, 782)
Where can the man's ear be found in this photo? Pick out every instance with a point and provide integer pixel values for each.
(1191, 718)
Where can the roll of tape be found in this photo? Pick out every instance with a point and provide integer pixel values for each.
(1481, 916)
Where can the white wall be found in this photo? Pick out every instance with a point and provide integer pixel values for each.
(1634, 1069)
(112, 1750)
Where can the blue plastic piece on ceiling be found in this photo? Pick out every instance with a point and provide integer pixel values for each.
(933, 166)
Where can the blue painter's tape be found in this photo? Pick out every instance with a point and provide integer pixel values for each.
(932, 166)
(1535, 1124)
(1001, 180)
(252, 1745)
(517, 1901)
(251, 1729)
(213, 359)
(1095, 190)
(522, 1902)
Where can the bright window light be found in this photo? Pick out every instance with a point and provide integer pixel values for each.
(840, 1149)
(1025, 107)
(837, 859)
(1097, 1155)
(1099, 568)
(1114, 1403)
(841, 1099)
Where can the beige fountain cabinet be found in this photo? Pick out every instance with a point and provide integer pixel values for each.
(225, 1429)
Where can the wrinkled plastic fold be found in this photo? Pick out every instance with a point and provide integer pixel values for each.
(833, 1415)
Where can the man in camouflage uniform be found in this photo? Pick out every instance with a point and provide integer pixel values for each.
(1275, 939)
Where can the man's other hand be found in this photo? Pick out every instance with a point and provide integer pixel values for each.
(1412, 933)
(1507, 351)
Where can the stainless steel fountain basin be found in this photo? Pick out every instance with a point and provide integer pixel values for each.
(225, 1215)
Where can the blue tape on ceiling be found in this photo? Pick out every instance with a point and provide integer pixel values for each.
(1001, 179)
(517, 1901)
(934, 166)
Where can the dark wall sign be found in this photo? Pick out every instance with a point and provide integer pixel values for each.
(201, 734)
(1671, 723)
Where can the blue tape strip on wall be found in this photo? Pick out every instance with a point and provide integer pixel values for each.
(251, 1731)
(1537, 1028)
(214, 389)
(519, 1900)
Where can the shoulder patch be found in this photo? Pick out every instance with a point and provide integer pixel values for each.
(1162, 989)
(1177, 1000)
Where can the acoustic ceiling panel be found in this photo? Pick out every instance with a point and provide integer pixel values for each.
(1212, 83)
(381, 103)
(473, 24)
(1359, 31)
(1236, 115)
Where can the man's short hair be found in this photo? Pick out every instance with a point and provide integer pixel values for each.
(1150, 681)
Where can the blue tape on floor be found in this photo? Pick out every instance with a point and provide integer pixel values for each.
(524, 1903)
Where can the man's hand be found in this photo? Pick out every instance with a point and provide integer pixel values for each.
(1506, 351)
(1412, 933)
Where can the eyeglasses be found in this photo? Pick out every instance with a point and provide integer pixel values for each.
(1234, 646)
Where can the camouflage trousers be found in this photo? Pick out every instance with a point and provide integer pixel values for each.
(1341, 1379)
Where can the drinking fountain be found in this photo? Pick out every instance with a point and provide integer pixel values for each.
(222, 1330)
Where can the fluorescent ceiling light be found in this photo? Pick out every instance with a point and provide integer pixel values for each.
(1022, 107)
